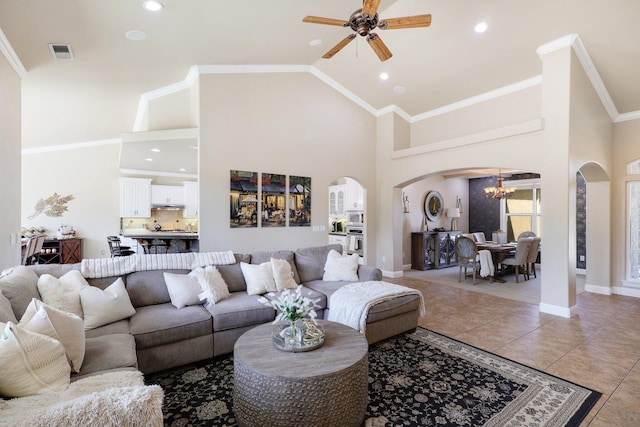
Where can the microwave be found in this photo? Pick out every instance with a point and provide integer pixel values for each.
(355, 217)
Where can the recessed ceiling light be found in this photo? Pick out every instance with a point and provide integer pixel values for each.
(384, 76)
(149, 159)
(399, 89)
(155, 150)
(152, 5)
(182, 170)
(481, 27)
(315, 42)
(136, 35)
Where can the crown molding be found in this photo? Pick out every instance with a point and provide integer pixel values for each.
(575, 42)
(12, 57)
(496, 93)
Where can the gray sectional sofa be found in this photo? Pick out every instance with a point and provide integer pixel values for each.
(160, 336)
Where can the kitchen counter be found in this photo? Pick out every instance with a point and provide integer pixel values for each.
(172, 240)
(162, 234)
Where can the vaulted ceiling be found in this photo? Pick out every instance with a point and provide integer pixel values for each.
(437, 66)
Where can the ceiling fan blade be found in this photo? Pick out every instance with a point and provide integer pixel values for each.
(370, 7)
(339, 46)
(325, 21)
(405, 22)
(379, 47)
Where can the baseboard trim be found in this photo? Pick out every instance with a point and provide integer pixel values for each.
(628, 292)
(392, 274)
(602, 290)
(557, 310)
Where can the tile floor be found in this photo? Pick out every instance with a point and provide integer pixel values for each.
(598, 348)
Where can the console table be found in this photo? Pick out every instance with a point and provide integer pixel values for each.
(323, 387)
(61, 251)
(433, 249)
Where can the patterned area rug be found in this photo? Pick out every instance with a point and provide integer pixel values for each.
(415, 379)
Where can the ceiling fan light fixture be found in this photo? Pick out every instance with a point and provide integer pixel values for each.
(315, 42)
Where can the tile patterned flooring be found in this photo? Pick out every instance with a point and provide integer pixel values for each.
(598, 348)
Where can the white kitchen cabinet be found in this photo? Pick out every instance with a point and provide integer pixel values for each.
(354, 195)
(336, 200)
(191, 199)
(167, 195)
(339, 239)
(135, 197)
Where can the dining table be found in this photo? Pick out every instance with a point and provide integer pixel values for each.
(499, 251)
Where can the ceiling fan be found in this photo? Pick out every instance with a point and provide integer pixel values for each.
(365, 20)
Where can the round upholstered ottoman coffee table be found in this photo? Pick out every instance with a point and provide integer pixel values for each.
(323, 387)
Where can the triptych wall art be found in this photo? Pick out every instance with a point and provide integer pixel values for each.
(269, 200)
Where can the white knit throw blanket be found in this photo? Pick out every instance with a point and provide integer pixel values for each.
(486, 263)
(350, 304)
(119, 266)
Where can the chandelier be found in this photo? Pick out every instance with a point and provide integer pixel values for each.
(499, 192)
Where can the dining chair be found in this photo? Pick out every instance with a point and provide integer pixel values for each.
(467, 257)
(519, 260)
(116, 249)
(526, 234)
(532, 256)
(35, 258)
(479, 237)
(29, 250)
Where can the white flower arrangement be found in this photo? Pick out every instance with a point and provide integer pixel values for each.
(292, 306)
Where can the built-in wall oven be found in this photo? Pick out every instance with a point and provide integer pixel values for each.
(355, 240)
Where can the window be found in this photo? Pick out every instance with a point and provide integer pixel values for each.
(633, 203)
(522, 211)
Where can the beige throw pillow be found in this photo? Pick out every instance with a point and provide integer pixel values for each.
(63, 293)
(213, 286)
(341, 268)
(283, 274)
(57, 324)
(102, 307)
(259, 278)
(30, 363)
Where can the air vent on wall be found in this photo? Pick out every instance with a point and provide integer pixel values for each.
(61, 51)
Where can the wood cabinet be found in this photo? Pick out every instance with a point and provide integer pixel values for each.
(167, 195)
(191, 199)
(135, 197)
(65, 251)
(433, 249)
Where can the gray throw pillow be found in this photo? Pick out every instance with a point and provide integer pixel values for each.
(6, 312)
(20, 286)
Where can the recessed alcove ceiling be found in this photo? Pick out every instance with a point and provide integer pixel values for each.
(445, 63)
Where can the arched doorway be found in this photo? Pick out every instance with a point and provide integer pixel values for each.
(347, 215)
(596, 222)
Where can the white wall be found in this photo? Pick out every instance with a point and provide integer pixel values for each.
(90, 174)
(10, 140)
(291, 124)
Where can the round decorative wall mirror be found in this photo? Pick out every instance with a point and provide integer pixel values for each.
(433, 205)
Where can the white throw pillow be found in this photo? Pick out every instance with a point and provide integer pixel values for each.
(283, 274)
(213, 286)
(59, 325)
(104, 307)
(183, 289)
(63, 293)
(30, 363)
(341, 268)
(259, 278)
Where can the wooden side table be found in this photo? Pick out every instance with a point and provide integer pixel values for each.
(324, 387)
